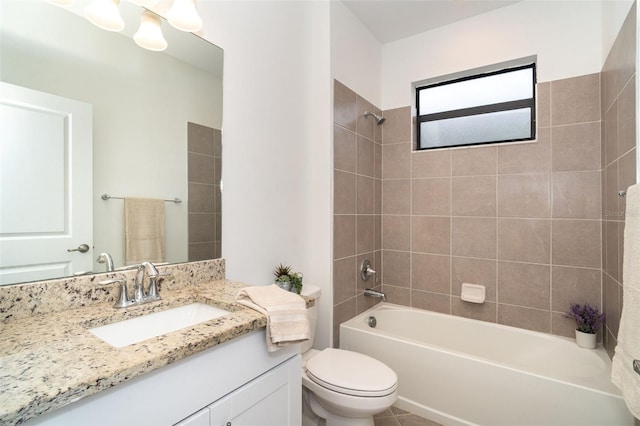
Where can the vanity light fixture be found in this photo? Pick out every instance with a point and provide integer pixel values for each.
(105, 14)
(184, 16)
(149, 35)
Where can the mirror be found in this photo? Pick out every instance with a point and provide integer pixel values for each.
(145, 105)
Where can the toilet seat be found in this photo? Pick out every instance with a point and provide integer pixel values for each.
(351, 373)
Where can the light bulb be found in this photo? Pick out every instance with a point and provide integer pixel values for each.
(149, 35)
(184, 16)
(145, 3)
(105, 14)
(60, 2)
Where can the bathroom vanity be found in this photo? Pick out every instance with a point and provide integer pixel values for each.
(54, 371)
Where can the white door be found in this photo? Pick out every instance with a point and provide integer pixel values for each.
(46, 147)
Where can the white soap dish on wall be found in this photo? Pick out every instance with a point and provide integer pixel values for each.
(473, 293)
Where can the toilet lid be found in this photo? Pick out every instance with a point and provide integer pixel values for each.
(351, 373)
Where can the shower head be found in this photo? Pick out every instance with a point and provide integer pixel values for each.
(379, 119)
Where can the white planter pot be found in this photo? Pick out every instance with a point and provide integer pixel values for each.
(586, 340)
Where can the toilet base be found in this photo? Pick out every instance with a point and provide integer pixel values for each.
(333, 419)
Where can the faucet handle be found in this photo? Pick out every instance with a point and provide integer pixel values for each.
(122, 301)
(154, 293)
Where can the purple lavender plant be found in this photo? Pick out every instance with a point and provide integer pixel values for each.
(588, 319)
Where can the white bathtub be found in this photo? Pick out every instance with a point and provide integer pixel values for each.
(459, 371)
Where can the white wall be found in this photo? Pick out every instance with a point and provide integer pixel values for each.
(565, 35)
(356, 55)
(276, 204)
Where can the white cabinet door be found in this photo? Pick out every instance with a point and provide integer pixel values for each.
(201, 418)
(272, 399)
(45, 185)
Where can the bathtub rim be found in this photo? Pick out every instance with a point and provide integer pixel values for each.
(606, 388)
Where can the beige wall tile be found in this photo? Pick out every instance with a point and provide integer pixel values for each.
(562, 326)
(396, 232)
(344, 236)
(543, 104)
(344, 106)
(200, 168)
(344, 192)
(626, 178)
(525, 195)
(431, 196)
(610, 245)
(342, 312)
(377, 196)
(397, 295)
(474, 271)
(201, 227)
(396, 161)
(397, 126)
(396, 268)
(431, 234)
(575, 147)
(473, 196)
(524, 284)
(610, 193)
(528, 318)
(576, 243)
(431, 163)
(377, 161)
(431, 301)
(365, 160)
(396, 196)
(202, 251)
(363, 302)
(473, 237)
(201, 198)
(529, 157)
(524, 240)
(344, 149)
(610, 132)
(482, 312)
(365, 234)
(344, 279)
(366, 126)
(577, 195)
(200, 139)
(431, 273)
(575, 100)
(478, 160)
(366, 195)
(612, 307)
(574, 285)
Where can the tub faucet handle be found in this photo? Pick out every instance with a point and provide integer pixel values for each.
(366, 270)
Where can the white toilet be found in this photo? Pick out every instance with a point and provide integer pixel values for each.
(343, 387)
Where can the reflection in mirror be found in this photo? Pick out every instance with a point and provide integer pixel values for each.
(154, 115)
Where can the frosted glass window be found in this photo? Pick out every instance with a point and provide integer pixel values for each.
(485, 108)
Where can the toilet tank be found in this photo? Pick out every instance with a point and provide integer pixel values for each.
(312, 292)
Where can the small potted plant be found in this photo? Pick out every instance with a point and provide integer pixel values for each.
(287, 279)
(588, 321)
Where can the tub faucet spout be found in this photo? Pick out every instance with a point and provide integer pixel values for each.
(375, 293)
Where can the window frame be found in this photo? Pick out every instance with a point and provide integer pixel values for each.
(478, 110)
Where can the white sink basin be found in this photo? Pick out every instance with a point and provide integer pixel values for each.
(136, 330)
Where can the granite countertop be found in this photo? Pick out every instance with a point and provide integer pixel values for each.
(50, 360)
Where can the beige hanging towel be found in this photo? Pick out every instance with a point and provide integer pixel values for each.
(144, 237)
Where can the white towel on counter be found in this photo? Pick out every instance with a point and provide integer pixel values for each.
(628, 348)
(286, 313)
(144, 236)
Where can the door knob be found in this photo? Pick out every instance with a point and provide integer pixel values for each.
(82, 248)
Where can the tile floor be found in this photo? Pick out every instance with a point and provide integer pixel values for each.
(397, 417)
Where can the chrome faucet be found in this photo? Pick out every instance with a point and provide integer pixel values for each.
(106, 258)
(375, 293)
(139, 295)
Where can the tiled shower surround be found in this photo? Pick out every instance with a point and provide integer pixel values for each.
(205, 209)
(526, 220)
(618, 165)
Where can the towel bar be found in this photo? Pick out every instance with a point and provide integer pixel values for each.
(107, 197)
(636, 366)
